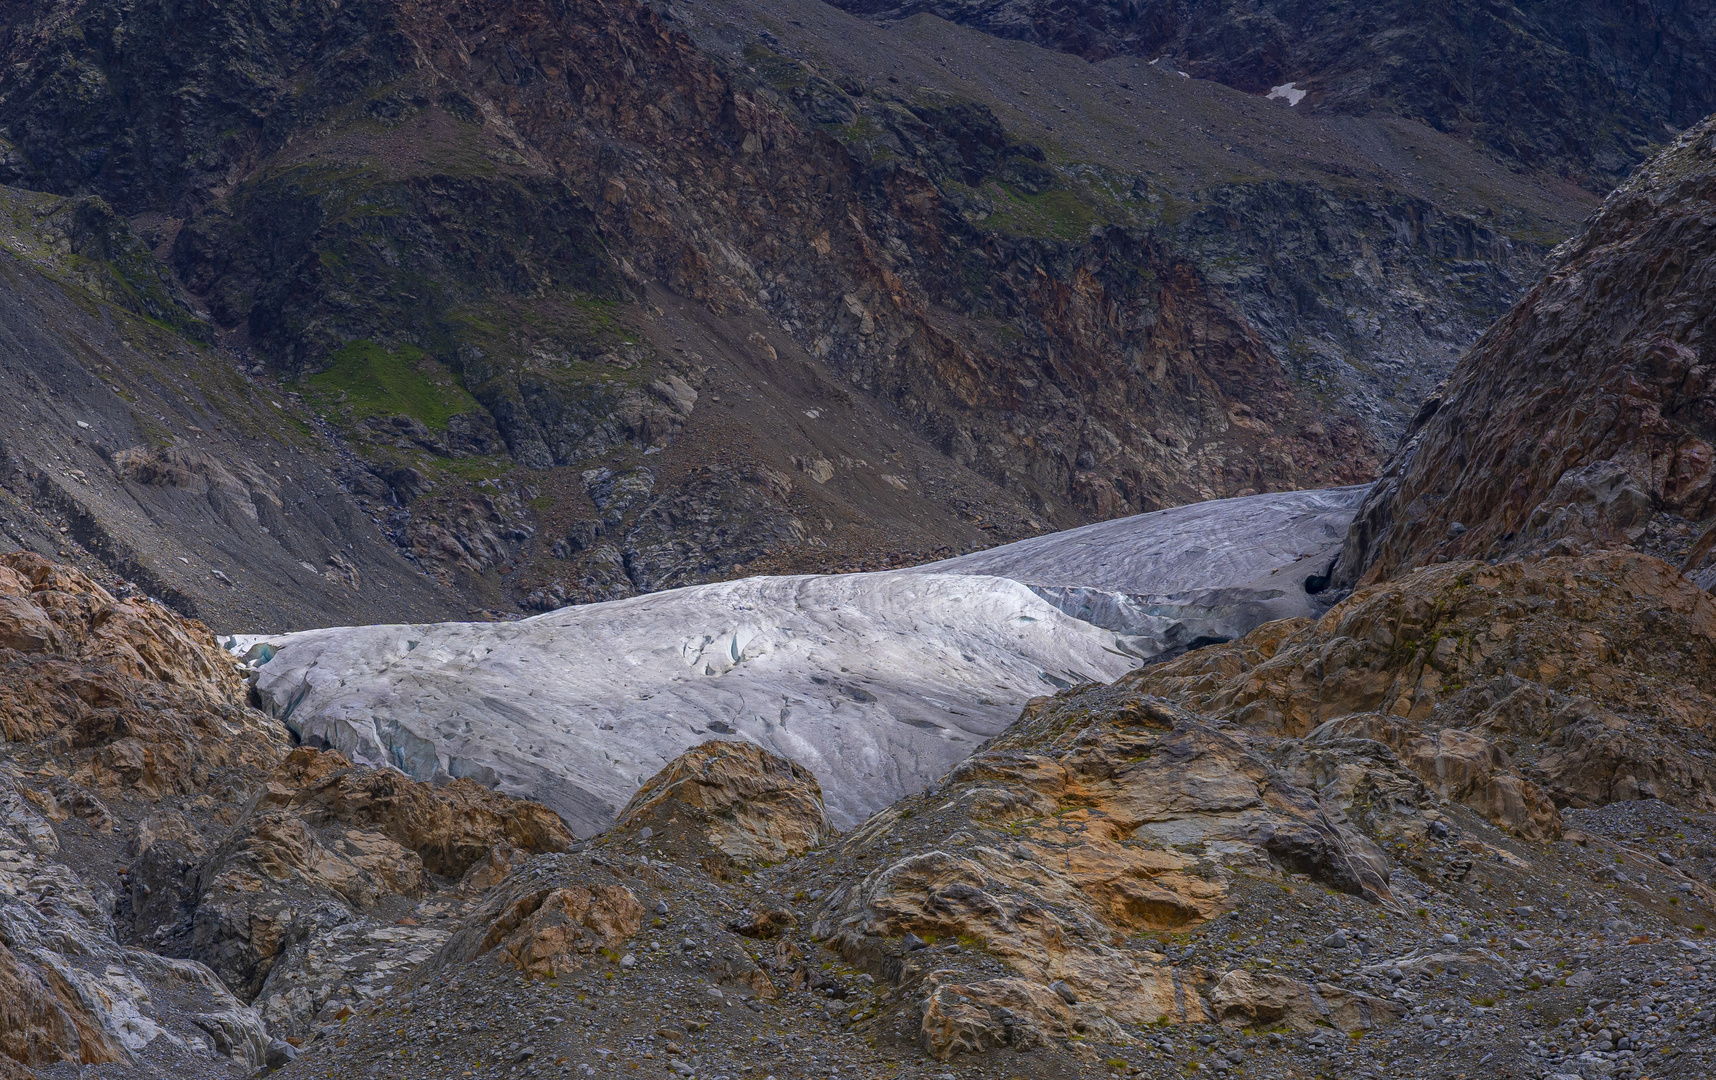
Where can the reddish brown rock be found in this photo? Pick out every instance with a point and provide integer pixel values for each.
(449, 826)
(40, 1025)
(1583, 419)
(325, 838)
(547, 925)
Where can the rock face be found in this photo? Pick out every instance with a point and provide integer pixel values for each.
(322, 842)
(1063, 839)
(734, 798)
(876, 682)
(1578, 680)
(1582, 419)
(1650, 73)
(256, 884)
(124, 692)
(107, 704)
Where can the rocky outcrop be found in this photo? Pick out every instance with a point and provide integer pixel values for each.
(124, 694)
(324, 843)
(547, 929)
(1099, 817)
(69, 991)
(1581, 420)
(732, 800)
(1582, 680)
(1266, 1001)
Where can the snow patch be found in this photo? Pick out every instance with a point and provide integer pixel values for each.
(1287, 92)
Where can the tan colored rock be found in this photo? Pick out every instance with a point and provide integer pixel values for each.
(39, 1025)
(450, 826)
(1265, 1000)
(135, 697)
(324, 839)
(546, 935)
(545, 927)
(747, 804)
(1593, 677)
(970, 1017)
(1081, 823)
(1462, 767)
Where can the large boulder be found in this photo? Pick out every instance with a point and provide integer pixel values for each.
(733, 799)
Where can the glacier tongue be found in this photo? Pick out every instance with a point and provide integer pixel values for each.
(877, 682)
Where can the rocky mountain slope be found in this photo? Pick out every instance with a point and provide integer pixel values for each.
(1583, 418)
(1583, 88)
(570, 303)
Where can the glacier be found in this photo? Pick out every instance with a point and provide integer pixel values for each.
(877, 682)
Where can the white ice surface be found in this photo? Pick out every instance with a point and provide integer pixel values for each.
(877, 682)
(1291, 93)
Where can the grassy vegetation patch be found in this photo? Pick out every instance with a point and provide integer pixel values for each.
(1056, 214)
(404, 381)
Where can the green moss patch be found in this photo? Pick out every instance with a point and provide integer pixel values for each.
(1056, 214)
(369, 380)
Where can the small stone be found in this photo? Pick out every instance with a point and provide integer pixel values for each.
(1450, 939)
(661, 907)
(280, 1054)
(1665, 858)
(645, 833)
(1060, 987)
(1336, 940)
(680, 1068)
(629, 961)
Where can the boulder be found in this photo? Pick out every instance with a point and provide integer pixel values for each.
(735, 798)
(971, 1017)
(546, 925)
(1266, 1000)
